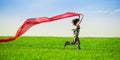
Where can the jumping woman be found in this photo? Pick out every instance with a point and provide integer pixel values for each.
(76, 40)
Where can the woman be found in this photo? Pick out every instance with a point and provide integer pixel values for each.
(76, 23)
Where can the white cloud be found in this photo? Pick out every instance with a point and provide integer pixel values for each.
(107, 11)
(115, 11)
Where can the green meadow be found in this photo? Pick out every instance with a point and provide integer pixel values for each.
(52, 48)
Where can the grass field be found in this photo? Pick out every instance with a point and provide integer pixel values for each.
(52, 48)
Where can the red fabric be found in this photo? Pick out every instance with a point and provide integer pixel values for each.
(33, 21)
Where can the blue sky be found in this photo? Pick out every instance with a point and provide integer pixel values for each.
(102, 17)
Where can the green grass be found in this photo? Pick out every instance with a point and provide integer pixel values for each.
(52, 48)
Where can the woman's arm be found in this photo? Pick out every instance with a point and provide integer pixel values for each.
(80, 20)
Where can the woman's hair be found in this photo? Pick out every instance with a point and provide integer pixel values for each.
(74, 21)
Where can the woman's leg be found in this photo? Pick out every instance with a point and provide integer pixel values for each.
(70, 43)
(78, 44)
(67, 43)
(75, 41)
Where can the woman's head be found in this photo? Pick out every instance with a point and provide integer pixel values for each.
(74, 21)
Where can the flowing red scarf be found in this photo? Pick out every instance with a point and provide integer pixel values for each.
(33, 21)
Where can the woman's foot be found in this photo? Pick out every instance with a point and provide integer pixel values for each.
(66, 43)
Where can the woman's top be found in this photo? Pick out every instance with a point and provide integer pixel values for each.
(76, 31)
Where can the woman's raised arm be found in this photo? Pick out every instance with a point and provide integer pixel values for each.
(80, 19)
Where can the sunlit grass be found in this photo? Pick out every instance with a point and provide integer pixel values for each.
(52, 48)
